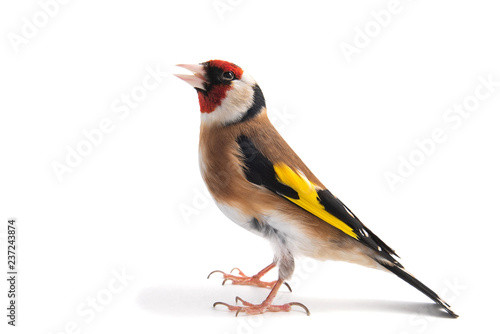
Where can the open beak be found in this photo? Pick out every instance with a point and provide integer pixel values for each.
(197, 79)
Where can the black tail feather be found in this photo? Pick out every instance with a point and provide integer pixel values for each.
(409, 278)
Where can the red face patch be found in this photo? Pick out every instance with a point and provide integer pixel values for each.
(217, 86)
(210, 100)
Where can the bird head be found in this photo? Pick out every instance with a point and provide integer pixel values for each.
(227, 94)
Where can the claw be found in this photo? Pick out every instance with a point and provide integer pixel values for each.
(288, 286)
(221, 303)
(230, 307)
(301, 305)
(216, 271)
(224, 281)
(256, 309)
(239, 271)
(238, 311)
(266, 305)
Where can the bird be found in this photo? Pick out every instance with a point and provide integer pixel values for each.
(261, 184)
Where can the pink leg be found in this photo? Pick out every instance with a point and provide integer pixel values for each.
(265, 306)
(254, 280)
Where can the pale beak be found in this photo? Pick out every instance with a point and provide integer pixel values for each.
(197, 79)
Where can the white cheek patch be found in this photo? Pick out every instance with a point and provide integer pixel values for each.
(234, 106)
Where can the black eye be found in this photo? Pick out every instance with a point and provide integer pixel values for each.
(228, 76)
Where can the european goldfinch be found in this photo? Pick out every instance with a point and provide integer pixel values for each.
(259, 182)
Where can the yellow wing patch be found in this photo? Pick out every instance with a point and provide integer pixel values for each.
(308, 197)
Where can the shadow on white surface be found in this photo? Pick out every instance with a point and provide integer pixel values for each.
(188, 301)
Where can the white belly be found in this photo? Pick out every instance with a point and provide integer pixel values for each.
(274, 227)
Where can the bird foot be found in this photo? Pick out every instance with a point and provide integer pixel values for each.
(242, 279)
(266, 306)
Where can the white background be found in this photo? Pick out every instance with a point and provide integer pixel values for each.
(136, 202)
